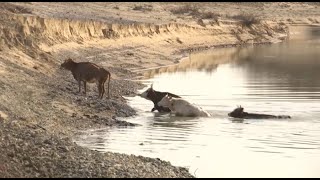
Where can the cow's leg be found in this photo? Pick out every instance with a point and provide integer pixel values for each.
(85, 87)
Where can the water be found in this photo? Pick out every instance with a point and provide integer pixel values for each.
(274, 79)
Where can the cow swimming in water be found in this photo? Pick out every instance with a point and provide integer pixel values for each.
(182, 107)
(239, 113)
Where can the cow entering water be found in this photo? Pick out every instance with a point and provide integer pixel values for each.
(155, 97)
(239, 113)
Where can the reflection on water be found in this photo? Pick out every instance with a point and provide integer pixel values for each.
(273, 79)
(207, 62)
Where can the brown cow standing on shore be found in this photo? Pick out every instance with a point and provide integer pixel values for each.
(88, 72)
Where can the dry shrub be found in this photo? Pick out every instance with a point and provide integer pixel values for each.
(282, 23)
(214, 22)
(194, 11)
(178, 40)
(201, 23)
(210, 15)
(143, 8)
(247, 20)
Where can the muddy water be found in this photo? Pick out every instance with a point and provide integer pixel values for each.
(274, 79)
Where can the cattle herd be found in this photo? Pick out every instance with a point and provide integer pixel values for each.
(168, 102)
(164, 102)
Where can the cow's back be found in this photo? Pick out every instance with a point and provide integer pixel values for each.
(90, 71)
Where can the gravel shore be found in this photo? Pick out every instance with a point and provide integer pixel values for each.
(30, 151)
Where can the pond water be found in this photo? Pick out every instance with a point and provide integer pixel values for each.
(279, 79)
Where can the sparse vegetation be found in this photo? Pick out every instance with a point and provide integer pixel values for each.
(143, 8)
(289, 20)
(195, 12)
(191, 9)
(14, 8)
(284, 5)
(211, 15)
(313, 20)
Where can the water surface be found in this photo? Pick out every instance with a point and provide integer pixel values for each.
(275, 79)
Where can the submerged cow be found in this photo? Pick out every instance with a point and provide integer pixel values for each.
(182, 107)
(155, 97)
(239, 113)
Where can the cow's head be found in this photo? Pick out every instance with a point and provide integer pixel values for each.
(237, 113)
(148, 93)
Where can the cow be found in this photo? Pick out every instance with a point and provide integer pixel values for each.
(88, 72)
(155, 97)
(239, 113)
(182, 107)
